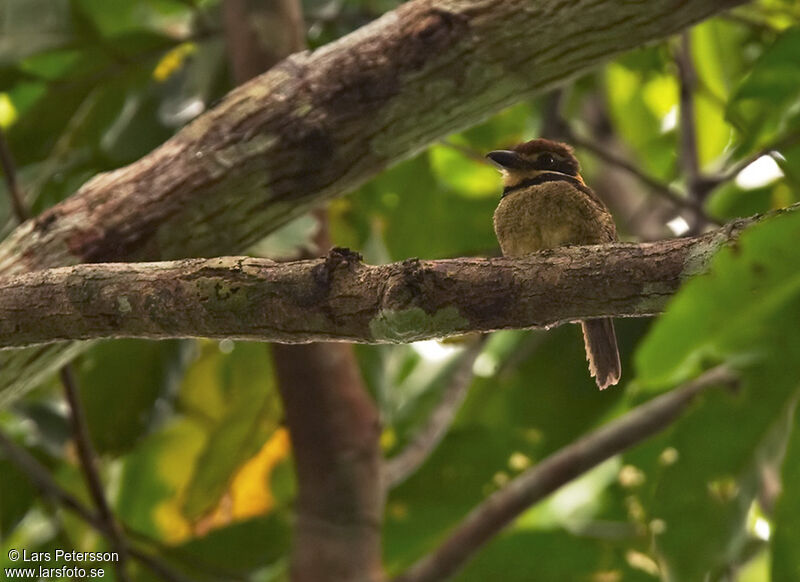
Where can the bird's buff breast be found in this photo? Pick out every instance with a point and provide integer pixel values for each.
(545, 216)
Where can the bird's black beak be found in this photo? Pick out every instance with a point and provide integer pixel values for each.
(506, 159)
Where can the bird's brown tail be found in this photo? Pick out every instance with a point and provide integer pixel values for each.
(601, 351)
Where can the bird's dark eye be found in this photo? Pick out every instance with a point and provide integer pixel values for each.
(547, 160)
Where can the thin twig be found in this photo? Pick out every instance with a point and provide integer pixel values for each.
(689, 156)
(496, 512)
(407, 461)
(47, 486)
(10, 174)
(785, 141)
(87, 456)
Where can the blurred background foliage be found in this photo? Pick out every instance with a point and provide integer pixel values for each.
(190, 433)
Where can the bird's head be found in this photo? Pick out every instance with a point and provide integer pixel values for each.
(532, 158)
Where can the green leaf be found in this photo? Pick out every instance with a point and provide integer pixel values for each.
(16, 497)
(739, 310)
(545, 388)
(240, 548)
(703, 498)
(461, 173)
(713, 134)
(396, 200)
(762, 100)
(113, 19)
(459, 474)
(153, 477)
(638, 103)
(121, 381)
(730, 201)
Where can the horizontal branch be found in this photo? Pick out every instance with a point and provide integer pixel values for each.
(339, 298)
(321, 123)
(496, 512)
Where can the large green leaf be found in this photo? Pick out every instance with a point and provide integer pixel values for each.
(743, 313)
(121, 383)
(741, 309)
(153, 477)
(638, 103)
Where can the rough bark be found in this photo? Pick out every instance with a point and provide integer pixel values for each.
(319, 124)
(340, 298)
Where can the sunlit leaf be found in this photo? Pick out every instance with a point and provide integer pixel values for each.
(461, 173)
(234, 395)
(154, 477)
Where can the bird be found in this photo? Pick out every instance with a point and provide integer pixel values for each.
(546, 204)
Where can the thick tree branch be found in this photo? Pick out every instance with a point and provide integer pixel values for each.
(340, 298)
(335, 431)
(320, 124)
(496, 512)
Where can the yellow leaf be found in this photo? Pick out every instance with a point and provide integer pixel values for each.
(250, 494)
(172, 61)
(8, 113)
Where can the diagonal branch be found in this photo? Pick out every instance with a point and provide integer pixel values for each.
(340, 298)
(88, 464)
(501, 508)
(347, 110)
(10, 175)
